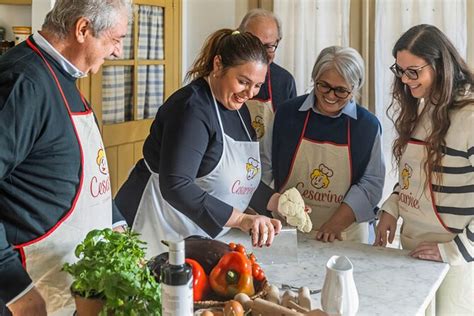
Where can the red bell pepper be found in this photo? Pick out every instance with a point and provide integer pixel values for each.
(200, 281)
(232, 275)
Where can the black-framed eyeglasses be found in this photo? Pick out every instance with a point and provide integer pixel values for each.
(411, 73)
(271, 48)
(339, 92)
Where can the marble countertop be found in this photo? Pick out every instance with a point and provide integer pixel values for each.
(389, 282)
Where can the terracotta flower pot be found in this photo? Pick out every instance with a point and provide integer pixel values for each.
(88, 306)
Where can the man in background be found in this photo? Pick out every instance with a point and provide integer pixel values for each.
(279, 84)
(54, 187)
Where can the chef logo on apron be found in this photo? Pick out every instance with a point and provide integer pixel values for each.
(258, 125)
(100, 183)
(407, 195)
(252, 166)
(320, 178)
(102, 162)
(406, 175)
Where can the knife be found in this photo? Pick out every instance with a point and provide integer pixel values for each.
(284, 248)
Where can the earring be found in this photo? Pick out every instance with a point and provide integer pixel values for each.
(213, 75)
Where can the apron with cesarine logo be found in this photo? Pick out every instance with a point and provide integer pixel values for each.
(233, 181)
(322, 172)
(91, 209)
(262, 113)
(421, 222)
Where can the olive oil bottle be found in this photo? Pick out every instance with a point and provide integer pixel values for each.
(176, 283)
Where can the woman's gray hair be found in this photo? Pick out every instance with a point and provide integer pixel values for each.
(346, 61)
(259, 13)
(102, 14)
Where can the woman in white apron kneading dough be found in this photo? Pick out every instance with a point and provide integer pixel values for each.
(201, 166)
(328, 147)
(433, 101)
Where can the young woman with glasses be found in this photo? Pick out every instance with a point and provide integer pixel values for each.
(328, 147)
(433, 113)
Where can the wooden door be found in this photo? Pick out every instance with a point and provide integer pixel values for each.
(126, 93)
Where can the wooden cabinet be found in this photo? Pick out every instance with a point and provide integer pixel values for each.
(22, 2)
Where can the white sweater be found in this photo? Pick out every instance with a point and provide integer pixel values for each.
(455, 205)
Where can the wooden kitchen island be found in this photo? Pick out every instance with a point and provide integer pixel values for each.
(389, 282)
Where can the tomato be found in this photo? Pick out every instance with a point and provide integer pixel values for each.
(240, 248)
(257, 272)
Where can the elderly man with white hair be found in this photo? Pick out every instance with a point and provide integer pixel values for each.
(50, 143)
(279, 85)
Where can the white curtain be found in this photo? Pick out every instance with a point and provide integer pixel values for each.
(393, 18)
(308, 27)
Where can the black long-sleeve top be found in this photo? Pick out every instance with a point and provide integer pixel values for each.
(40, 161)
(186, 142)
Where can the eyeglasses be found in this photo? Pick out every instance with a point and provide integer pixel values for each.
(339, 92)
(271, 48)
(411, 73)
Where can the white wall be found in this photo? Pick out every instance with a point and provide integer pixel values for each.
(201, 18)
(39, 9)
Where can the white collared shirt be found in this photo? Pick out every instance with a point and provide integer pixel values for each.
(65, 64)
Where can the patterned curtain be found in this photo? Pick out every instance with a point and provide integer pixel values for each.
(150, 46)
(117, 94)
(117, 81)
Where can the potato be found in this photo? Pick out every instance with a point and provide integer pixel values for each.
(233, 308)
(212, 313)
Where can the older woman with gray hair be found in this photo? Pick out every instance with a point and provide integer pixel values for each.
(329, 148)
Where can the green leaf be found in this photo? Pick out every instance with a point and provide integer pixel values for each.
(112, 265)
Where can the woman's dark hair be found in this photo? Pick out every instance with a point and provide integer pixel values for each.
(233, 47)
(452, 77)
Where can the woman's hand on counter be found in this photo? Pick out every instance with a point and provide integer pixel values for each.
(427, 251)
(386, 225)
(262, 228)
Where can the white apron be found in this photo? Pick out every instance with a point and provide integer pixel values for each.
(91, 209)
(262, 114)
(421, 222)
(233, 181)
(321, 171)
